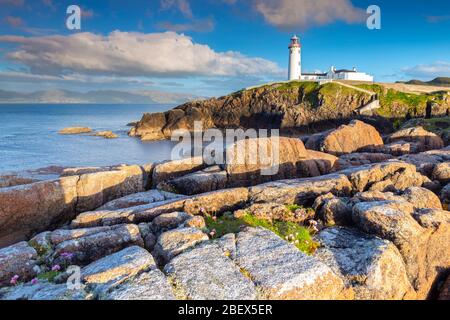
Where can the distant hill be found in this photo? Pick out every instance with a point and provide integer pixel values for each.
(439, 82)
(99, 96)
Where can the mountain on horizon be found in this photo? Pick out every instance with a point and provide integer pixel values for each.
(440, 82)
(96, 97)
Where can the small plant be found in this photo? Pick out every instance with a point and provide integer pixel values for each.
(48, 276)
(293, 207)
(292, 232)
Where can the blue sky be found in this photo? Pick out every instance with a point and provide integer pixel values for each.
(213, 47)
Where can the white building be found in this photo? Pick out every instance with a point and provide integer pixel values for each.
(295, 68)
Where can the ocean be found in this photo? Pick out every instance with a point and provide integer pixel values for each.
(29, 136)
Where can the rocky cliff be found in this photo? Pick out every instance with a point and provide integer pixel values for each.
(288, 106)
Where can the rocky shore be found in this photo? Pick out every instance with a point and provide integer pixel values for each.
(296, 107)
(351, 214)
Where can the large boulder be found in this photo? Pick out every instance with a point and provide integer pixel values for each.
(207, 180)
(426, 161)
(359, 159)
(174, 242)
(333, 210)
(373, 267)
(424, 139)
(168, 221)
(91, 247)
(422, 237)
(27, 209)
(138, 199)
(250, 161)
(441, 172)
(300, 191)
(96, 189)
(422, 198)
(354, 137)
(117, 268)
(150, 127)
(281, 272)
(385, 176)
(145, 213)
(205, 273)
(17, 260)
(217, 201)
(177, 168)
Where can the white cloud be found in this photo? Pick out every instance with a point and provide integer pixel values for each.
(289, 14)
(433, 70)
(134, 54)
(182, 5)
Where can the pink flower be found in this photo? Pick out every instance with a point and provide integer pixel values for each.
(213, 233)
(56, 267)
(34, 281)
(14, 280)
(214, 218)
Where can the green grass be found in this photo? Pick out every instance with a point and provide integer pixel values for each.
(398, 104)
(292, 232)
(49, 276)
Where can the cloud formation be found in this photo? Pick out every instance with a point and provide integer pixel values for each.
(438, 19)
(14, 21)
(182, 5)
(134, 54)
(17, 3)
(433, 70)
(291, 14)
(197, 25)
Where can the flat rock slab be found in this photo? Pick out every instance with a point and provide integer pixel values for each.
(172, 169)
(18, 259)
(43, 291)
(281, 271)
(151, 285)
(95, 246)
(118, 267)
(196, 183)
(359, 159)
(138, 199)
(373, 267)
(174, 242)
(217, 201)
(144, 213)
(205, 273)
(384, 176)
(168, 221)
(300, 191)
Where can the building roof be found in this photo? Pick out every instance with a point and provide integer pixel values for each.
(313, 74)
(345, 71)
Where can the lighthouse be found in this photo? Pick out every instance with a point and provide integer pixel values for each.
(295, 68)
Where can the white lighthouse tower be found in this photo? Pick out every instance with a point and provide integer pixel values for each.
(295, 67)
